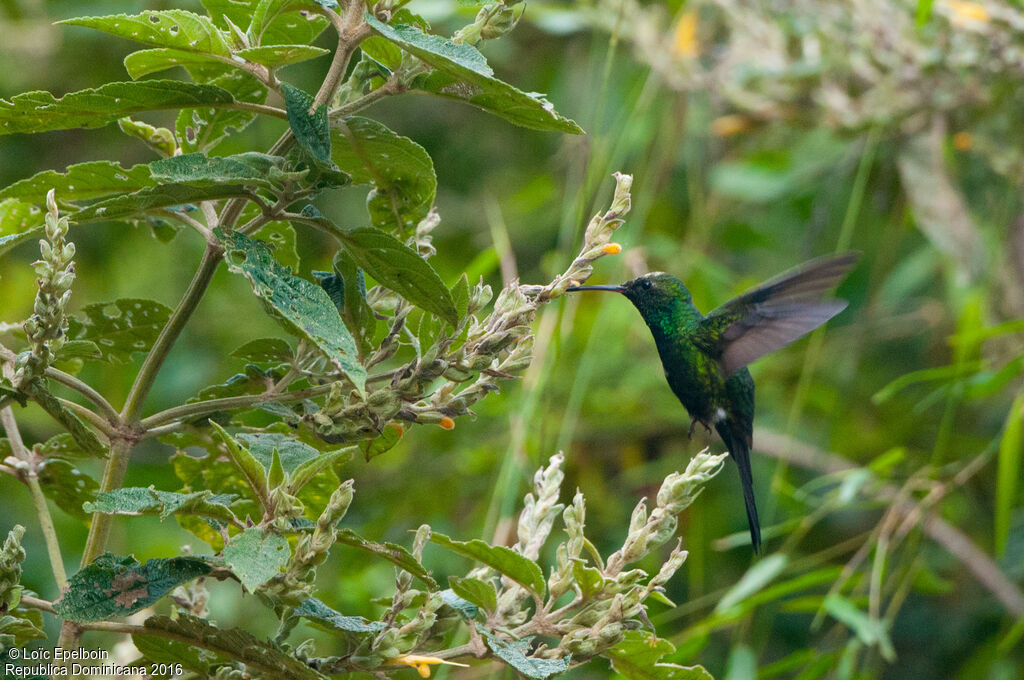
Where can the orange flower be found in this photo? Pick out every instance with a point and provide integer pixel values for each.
(612, 249)
(422, 663)
(966, 12)
(685, 40)
(448, 424)
(963, 141)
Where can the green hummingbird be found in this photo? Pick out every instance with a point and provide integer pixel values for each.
(705, 357)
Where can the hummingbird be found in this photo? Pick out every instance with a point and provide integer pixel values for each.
(705, 356)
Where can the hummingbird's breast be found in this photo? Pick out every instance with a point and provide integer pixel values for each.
(695, 378)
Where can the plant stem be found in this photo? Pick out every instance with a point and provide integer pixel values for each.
(68, 380)
(162, 347)
(202, 408)
(113, 476)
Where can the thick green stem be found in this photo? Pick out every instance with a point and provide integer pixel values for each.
(113, 476)
(156, 357)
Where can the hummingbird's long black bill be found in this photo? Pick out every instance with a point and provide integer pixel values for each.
(614, 289)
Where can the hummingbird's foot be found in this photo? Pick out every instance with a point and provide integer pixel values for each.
(693, 426)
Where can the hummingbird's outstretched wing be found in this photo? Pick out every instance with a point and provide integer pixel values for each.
(774, 314)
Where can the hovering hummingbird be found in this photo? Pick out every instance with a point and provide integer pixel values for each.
(705, 357)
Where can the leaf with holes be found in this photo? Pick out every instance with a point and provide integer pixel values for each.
(201, 129)
(516, 654)
(324, 617)
(144, 62)
(399, 169)
(83, 181)
(174, 28)
(41, 111)
(282, 22)
(281, 235)
(119, 586)
(19, 222)
(264, 351)
(302, 306)
(276, 56)
(67, 486)
(256, 556)
(122, 327)
(462, 74)
(137, 501)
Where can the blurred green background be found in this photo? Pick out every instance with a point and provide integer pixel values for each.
(758, 137)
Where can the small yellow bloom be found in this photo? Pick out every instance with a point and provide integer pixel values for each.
(963, 141)
(448, 424)
(685, 42)
(422, 664)
(727, 126)
(966, 12)
(612, 249)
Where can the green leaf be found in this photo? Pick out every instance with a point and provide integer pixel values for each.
(67, 486)
(238, 12)
(382, 443)
(520, 569)
(757, 577)
(467, 609)
(161, 650)
(400, 170)
(19, 627)
(82, 181)
(144, 62)
(292, 452)
(264, 351)
(235, 643)
(252, 381)
(277, 22)
(275, 56)
(122, 327)
(382, 51)
(302, 306)
(200, 170)
(347, 289)
(201, 129)
(473, 590)
(134, 206)
(516, 654)
(460, 296)
(40, 111)
(119, 586)
(391, 552)
(636, 658)
(255, 474)
(256, 556)
(1011, 449)
(325, 617)
(167, 28)
(397, 266)
(870, 631)
(150, 501)
(309, 470)
(311, 129)
(281, 235)
(19, 222)
(463, 74)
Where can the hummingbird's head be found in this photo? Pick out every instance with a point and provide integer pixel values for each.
(649, 293)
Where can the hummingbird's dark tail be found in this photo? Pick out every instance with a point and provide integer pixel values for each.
(738, 444)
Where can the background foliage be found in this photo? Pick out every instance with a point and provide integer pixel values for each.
(758, 137)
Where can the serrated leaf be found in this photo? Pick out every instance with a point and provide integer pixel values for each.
(520, 569)
(198, 169)
(281, 235)
(40, 111)
(80, 182)
(382, 51)
(325, 617)
(382, 443)
(122, 327)
(134, 206)
(276, 56)
(399, 168)
(309, 125)
(264, 656)
(473, 590)
(175, 28)
(150, 501)
(161, 650)
(309, 470)
(256, 556)
(201, 129)
(252, 470)
(265, 350)
(237, 12)
(397, 266)
(62, 445)
(757, 577)
(463, 74)
(277, 22)
(391, 552)
(67, 486)
(292, 452)
(636, 658)
(119, 586)
(516, 654)
(301, 305)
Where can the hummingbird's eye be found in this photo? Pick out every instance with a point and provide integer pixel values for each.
(646, 284)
